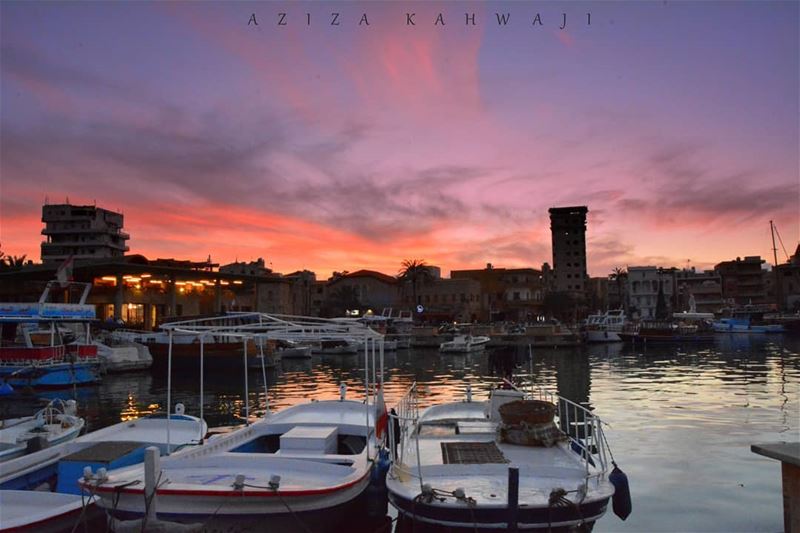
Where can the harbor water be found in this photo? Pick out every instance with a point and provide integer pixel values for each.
(681, 419)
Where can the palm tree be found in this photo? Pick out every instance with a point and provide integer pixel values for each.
(414, 271)
(618, 274)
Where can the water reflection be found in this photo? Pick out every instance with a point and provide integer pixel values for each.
(681, 418)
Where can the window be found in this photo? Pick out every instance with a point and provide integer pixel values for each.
(516, 295)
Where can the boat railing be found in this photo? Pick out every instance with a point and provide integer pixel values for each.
(584, 429)
(403, 420)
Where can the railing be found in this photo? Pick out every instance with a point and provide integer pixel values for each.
(584, 429)
(404, 420)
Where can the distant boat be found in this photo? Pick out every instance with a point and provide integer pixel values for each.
(605, 327)
(464, 344)
(56, 423)
(336, 347)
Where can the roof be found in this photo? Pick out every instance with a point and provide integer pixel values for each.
(368, 274)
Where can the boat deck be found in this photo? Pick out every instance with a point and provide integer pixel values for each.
(482, 470)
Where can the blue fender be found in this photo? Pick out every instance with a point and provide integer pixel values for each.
(622, 493)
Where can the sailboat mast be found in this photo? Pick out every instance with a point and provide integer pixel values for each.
(775, 267)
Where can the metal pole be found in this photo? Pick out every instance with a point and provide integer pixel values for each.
(513, 498)
(169, 390)
(264, 375)
(202, 370)
(246, 392)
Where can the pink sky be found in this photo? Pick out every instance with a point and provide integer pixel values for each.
(354, 147)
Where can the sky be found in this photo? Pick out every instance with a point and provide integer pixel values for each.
(341, 147)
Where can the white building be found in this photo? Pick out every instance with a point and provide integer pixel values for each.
(81, 231)
(643, 286)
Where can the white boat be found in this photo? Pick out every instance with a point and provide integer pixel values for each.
(293, 350)
(306, 463)
(452, 465)
(123, 356)
(42, 512)
(464, 344)
(606, 327)
(40, 491)
(56, 423)
(337, 347)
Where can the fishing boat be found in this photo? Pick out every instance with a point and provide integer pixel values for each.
(746, 319)
(682, 328)
(39, 348)
(307, 464)
(605, 327)
(518, 460)
(56, 423)
(40, 492)
(464, 344)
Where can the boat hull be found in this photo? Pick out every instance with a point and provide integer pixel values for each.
(51, 376)
(461, 516)
(602, 336)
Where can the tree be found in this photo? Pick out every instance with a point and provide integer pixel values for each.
(661, 303)
(414, 271)
(619, 274)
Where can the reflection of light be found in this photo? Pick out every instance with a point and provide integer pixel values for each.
(146, 275)
(132, 411)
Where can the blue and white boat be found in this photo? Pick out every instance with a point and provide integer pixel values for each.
(40, 492)
(48, 345)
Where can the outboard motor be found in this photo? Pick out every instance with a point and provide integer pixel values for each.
(36, 444)
(622, 493)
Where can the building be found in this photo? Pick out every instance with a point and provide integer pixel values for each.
(705, 287)
(514, 294)
(568, 228)
(143, 293)
(81, 231)
(788, 278)
(253, 268)
(303, 289)
(445, 300)
(597, 294)
(363, 289)
(648, 284)
(743, 281)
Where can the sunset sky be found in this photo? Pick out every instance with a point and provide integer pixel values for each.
(346, 147)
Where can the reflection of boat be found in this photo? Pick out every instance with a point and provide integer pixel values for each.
(605, 327)
(40, 490)
(313, 459)
(36, 352)
(56, 423)
(452, 464)
(464, 344)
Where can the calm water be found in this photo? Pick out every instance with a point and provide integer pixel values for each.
(681, 419)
